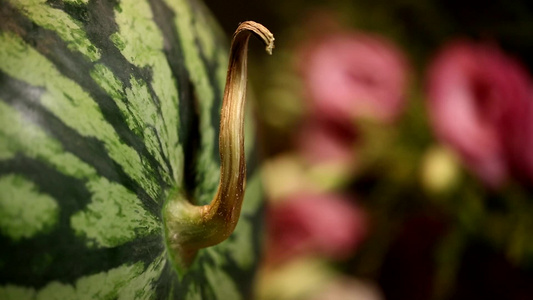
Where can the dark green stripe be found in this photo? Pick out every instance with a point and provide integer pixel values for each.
(199, 14)
(166, 283)
(174, 54)
(29, 260)
(99, 27)
(78, 11)
(25, 98)
(59, 256)
(215, 110)
(70, 193)
(211, 66)
(77, 68)
(35, 262)
(189, 132)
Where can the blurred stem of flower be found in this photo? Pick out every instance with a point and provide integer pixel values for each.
(448, 261)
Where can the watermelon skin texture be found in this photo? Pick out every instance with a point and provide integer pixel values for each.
(107, 108)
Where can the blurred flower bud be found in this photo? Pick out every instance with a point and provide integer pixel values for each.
(440, 170)
(480, 105)
(319, 224)
(346, 288)
(299, 278)
(285, 175)
(352, 75)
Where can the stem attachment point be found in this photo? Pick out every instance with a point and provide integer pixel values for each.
(189, 227)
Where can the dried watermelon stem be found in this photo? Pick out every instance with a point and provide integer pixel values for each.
(191, 227)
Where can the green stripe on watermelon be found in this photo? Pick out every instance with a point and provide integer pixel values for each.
(16, 221)
(125, 282)
(37, 144)
(204, 26)
(126, 218)
(32, 118)
(208, 175)
(140, 114)
(60, 22)
(77, 1)
(142, 44)
(74, 66)
(67, 100)
(114, 216)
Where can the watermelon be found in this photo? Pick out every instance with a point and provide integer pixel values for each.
(110, 171)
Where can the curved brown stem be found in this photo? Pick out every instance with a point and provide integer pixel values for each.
(190, 227)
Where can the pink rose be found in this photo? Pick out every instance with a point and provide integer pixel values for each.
(480, 105)
(351, 75)
(328, 225)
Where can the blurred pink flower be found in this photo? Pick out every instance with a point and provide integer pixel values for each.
(322, 224)
(351, 75)
(480, 104)
(517, 132)
(327, 141)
